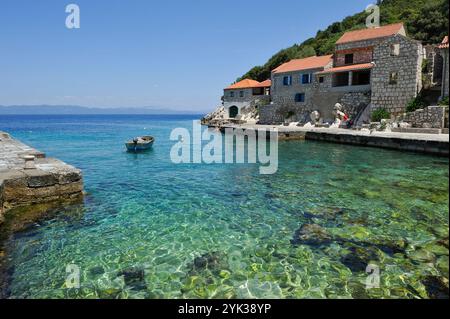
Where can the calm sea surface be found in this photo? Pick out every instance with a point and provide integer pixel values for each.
(149, 228)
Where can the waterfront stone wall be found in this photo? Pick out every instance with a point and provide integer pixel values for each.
(352, 103)
(396, 79)
(430, 117)
(436, 144)
(434, 147)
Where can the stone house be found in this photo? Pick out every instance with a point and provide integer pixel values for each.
(294, 86)
(397, 74)
(376, 68)
(245, 94)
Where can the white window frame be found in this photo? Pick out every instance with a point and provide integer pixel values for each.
(289, 82)
(310, 78)
(395, 49)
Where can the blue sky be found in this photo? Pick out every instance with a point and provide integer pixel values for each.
(133, 53)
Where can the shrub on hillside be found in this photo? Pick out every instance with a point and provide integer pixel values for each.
(417, 103)
(380, 114)
(444, 101)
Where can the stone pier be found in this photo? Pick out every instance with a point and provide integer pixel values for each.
(433, 144)
(41, 181)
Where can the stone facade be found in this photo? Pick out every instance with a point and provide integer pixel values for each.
(284, 96)
(243, 99)
(396, 79)
(360, 55)
(284, 105)
(430, 117)
(445, 73)
(434, 65)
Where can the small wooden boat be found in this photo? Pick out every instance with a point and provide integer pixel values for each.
(141, 143)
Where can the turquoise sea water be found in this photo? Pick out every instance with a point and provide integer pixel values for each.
(149, 228)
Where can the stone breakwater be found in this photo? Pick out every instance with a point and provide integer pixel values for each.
(41, 180)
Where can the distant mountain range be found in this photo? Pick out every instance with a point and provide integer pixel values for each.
(77, 110)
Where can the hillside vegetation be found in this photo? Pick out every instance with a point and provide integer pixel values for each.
(425, 20)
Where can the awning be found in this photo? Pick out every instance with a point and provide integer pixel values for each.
(346, 68)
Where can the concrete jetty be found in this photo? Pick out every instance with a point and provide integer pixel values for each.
(28, 177)
(435, 144)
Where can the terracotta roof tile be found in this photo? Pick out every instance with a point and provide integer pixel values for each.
(265, 84)
(371, 33)
(244, 84)
(314, 62)
(444, 43)
(353, 67)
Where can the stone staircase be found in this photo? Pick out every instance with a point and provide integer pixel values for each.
(362, 116)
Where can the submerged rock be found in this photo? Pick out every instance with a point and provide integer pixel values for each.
(358, 258)
(436, 287)
(109, 293)
(422, 256)
(443, 242)
(209, 261)
(96, 271)
(134, 277)
(311, 234)
(442, 265)
(358, 290)
(390, 247)
(328, 213)
(436, 248)
(440, 230)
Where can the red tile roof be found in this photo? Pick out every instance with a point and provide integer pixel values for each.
(244, 84)
(265, 84)
(444, 43)
(249, 84)
(314, 62)
(371, 33)
(353, 67)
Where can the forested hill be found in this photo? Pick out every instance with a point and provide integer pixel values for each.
(425, 20)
